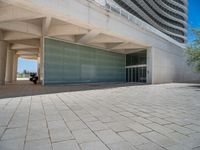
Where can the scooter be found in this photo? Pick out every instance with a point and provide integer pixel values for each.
(34, 78)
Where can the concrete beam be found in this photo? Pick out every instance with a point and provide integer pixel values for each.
(98, 45)
(28, 50)
(127, 46)
(30, 42)
(102, 38)
(22, 27)
(112, 45)
(67, 29)
(33, 57)
(22, 47)
(45, 25)
(12, 13)
(12, 35)
(26, 53)
(84, 39)
(70, 38)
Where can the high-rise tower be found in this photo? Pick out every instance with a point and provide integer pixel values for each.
(168, 16)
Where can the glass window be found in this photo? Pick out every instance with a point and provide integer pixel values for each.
(138, 58)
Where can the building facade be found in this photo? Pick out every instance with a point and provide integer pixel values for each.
(168, 16)
(92, 41)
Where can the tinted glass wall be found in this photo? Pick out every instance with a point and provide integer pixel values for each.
(71, 63)
(138, 58)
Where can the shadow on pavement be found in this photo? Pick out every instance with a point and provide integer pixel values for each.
(195, 86)
(25, 88)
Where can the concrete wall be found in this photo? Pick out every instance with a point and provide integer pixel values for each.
(169, 65)
(71, 63)
(3, 58)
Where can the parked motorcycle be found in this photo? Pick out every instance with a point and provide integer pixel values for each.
(33, 78)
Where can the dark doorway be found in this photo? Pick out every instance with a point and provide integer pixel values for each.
(136, 67)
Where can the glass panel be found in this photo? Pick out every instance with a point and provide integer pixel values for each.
(71, 63)
(136, 58)
(134, 80)
(132, 75)
(145, 75)
(126, 75)
(129, 74)
(141, 74)
(137, 74)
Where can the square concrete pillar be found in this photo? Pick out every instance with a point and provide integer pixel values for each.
(9, 66)
(3, 57)
(41, 61)
(38, 68)
(15, 63)
(149, 65)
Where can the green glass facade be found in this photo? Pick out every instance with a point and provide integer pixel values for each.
(72, 63)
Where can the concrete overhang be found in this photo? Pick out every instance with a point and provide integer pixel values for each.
(77, 21)
(66, 24)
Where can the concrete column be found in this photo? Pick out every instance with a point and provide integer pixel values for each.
(9, 66)
(41, 56)
(149, 66)
(38, 68)
(15, 63)
(3, 57)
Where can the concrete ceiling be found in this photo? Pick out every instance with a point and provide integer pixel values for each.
(23, 30)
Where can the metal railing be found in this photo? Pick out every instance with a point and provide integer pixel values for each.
(111, 6)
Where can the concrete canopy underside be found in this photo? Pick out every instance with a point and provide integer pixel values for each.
(24, 24)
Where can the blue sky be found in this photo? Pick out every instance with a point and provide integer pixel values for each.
(193, 21)
(26, 64)
(193, 16)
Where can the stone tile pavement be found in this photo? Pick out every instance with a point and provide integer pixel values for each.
(145, 117)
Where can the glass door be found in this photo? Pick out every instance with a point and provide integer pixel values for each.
(136, 67)
(136, 74)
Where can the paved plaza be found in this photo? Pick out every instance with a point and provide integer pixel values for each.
(97, 117)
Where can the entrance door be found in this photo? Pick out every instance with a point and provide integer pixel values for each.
(136, 67)
(136, 74)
